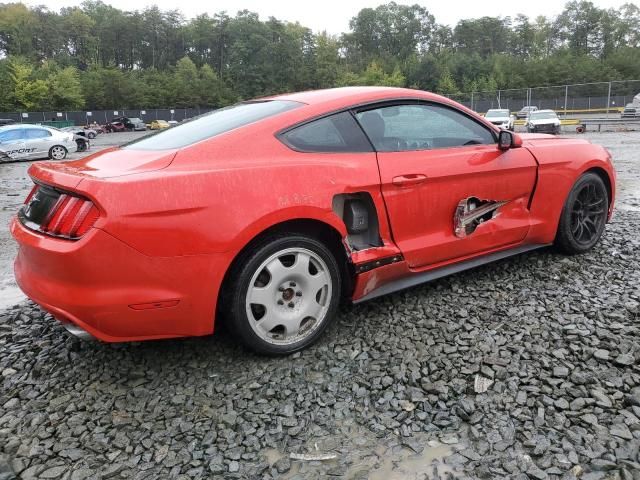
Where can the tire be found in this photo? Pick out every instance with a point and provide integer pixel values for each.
(57, 152)
(583, 216)
(82, 145)
(286, 281)
(91, 135)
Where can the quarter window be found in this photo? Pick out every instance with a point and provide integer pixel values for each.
(335, 133)
(421, 127)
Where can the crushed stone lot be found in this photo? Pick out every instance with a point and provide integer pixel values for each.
(391, 391)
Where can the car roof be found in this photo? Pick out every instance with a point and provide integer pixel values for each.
(498, 110)
(545, 111)
(15, 126)
(354, 95)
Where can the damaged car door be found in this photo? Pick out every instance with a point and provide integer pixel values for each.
(449, 190)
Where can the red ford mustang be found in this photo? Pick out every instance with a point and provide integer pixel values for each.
(268, 212)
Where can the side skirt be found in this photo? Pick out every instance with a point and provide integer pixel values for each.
(428, 276)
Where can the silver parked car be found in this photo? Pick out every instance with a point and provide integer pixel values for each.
(28, 142)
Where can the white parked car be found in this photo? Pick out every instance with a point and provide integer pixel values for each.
(28, 142)
(543, 121)
(501, 117)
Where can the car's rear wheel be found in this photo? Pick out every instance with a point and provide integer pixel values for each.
(91, 135)
(584, 215)
(283, 294)
(57, 152)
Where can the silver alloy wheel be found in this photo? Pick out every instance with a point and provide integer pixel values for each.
(58, 153)
(289, 296)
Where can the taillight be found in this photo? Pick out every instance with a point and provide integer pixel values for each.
(70, 217)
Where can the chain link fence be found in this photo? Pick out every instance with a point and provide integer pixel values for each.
(103, 116)
(606, 98)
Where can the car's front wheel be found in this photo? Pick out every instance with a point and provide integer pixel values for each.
(57, 152)
(282, 294)
(584, 215)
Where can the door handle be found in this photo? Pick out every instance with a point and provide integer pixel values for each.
(408, 179)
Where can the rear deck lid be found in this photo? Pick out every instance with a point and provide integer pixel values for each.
(113, 162)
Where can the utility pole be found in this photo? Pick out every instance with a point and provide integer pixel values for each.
(566, 97)
(608, 99)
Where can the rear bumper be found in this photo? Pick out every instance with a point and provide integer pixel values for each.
(115, 293)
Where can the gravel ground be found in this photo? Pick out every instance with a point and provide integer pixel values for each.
(392, 391)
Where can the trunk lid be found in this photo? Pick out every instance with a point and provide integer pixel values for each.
(109, 163)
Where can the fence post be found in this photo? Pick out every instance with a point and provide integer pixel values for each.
(608, 99)
(566, 99)
(472, 100)
(499, 104)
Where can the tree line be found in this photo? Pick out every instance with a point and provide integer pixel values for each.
(97, 57)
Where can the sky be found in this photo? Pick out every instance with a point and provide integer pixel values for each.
(334, 15)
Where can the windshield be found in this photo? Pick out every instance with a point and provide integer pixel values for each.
(212, 124)
(135, 120)
(543, 115)
(497, 113)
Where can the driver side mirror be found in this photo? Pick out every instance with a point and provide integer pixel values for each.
(507, 140)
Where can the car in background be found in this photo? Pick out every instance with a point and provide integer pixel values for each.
(173, 123)
(112, 127)
(131, 123)
(159, 125)
(6, 121)
(86, 132)
(28, 142)
(81, 137)
(543, 121)
(269, 212)
(501, 117)
(631, 111)
(525, 111)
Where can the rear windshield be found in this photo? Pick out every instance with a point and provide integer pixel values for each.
(212, 124)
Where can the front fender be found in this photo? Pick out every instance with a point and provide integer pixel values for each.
(560, 163)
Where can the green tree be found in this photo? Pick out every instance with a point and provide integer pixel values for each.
(28, 94)
(373, 75)
(65, 92)
(186, 83)
(446, 84)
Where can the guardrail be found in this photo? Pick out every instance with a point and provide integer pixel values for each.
(583, 124)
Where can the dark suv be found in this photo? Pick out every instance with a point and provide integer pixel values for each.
(130, 123)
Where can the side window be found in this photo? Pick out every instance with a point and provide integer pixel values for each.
(408, 127)
(9, 135)
(33, 133)
(335, 133)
